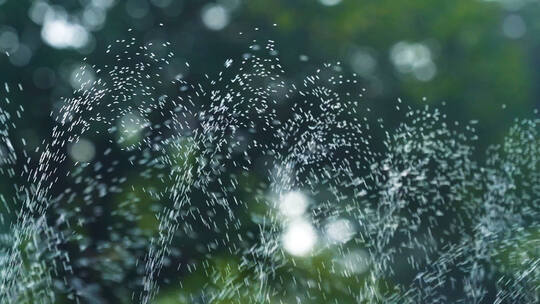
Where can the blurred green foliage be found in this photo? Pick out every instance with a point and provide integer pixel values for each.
(482, 71)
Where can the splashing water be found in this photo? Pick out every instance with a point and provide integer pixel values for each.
(254, 188)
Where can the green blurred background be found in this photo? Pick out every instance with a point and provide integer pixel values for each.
(478, 56)
(481, 58)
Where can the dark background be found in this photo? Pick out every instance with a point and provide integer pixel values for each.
(481, 58)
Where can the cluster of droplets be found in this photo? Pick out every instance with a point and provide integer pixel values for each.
(252, 188)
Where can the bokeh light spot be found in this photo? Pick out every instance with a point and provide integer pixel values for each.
(215, 17)
(82, 151)
(293, 204)
(299, 238)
